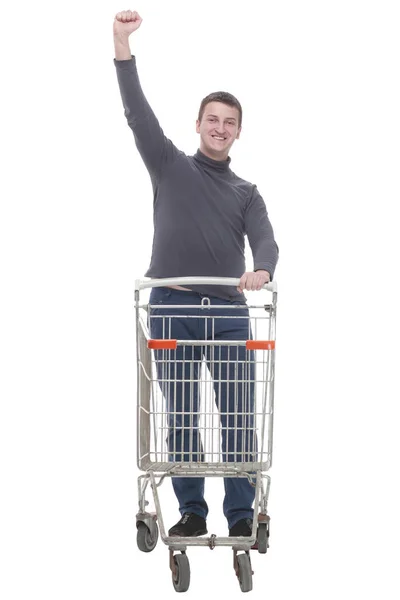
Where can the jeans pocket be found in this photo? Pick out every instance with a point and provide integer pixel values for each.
(160, 295)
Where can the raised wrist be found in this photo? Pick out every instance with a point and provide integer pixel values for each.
(122, 48)
(123, 38)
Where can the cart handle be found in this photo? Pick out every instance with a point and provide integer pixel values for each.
(141, 284)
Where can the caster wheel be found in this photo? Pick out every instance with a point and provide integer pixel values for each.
(145, 541)
(262, 538)
(245, 575)
(181, 579)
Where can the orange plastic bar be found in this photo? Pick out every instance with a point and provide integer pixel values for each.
(260, 345)
(162, 344)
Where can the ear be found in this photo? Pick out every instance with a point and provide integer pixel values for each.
(197, 126)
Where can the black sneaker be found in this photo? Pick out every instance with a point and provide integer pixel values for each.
(243, 527)
(190, 525)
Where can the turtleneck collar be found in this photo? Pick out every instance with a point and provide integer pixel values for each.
(218, 165)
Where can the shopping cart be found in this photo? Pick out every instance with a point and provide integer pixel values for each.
(160, 367)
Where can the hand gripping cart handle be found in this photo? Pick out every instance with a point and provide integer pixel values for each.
(180, 430)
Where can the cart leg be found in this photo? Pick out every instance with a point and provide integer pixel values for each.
(263, 530)
(146, 523)
(263, 533)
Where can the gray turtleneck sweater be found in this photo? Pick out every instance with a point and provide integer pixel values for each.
(202, 210)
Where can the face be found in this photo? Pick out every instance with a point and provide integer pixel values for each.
(218, 129)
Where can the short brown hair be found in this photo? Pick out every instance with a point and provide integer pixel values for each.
(223, 97)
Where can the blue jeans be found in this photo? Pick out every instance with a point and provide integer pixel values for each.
(235, 401)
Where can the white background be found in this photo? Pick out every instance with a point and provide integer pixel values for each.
(319, 85)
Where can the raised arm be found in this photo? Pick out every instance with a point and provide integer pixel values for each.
(155, 148)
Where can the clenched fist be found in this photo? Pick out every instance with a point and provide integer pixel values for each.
(126, 22)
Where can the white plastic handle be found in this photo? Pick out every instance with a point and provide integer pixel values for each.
(141, 284)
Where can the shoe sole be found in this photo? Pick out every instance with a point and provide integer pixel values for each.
(195, 534)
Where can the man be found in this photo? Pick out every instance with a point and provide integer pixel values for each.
(202, 212)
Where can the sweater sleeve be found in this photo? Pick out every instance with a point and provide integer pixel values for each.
(154, 147)
(260, 234)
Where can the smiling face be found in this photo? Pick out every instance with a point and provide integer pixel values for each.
(218, 129)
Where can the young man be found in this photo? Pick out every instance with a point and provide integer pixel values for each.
(202, 212)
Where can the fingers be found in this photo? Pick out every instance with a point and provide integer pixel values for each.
(256, 284)
(242, 283)
(251, 284)
(253, 281)
(259, 282)
(248, 282)
(126, 16)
